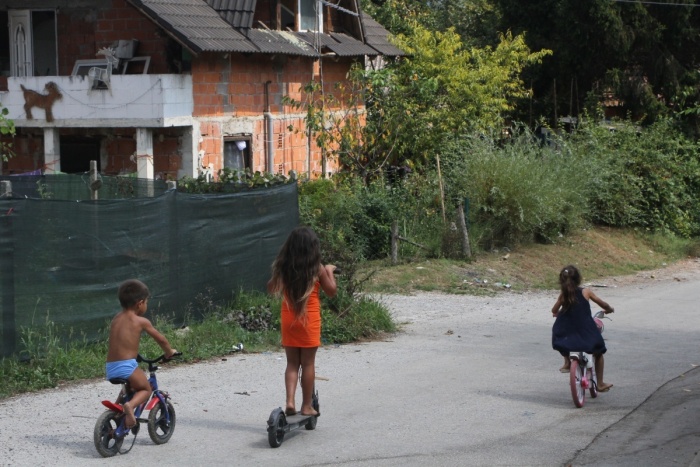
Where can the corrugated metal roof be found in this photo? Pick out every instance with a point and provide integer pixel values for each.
(280, 42)
(226, 26)
(341, 44)
(349, 46)
(195, 24)
(377, 37)
(238, 13)
(313, 38)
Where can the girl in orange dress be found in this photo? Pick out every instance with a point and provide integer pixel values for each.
(298, 275)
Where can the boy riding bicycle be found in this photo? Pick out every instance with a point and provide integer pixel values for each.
(124, 337)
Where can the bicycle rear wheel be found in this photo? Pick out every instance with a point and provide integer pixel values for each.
(106, 443)
(578, 393)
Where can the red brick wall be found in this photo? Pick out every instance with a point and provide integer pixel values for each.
(120, 146)
(235, 87)
(82, 32)
(207, 73)
(121, 150)
(30, 154)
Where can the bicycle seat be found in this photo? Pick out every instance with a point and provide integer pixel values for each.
(118, 381)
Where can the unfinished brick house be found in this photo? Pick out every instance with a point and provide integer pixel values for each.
(173, 88)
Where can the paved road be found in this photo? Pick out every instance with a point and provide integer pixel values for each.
(471, 381)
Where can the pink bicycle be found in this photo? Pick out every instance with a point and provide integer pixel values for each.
(582, 375)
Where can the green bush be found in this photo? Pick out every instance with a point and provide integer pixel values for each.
(347, 319)
(519, 191)
(647, 178)
(353, 219)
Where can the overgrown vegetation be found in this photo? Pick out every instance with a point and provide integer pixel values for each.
(517, 190)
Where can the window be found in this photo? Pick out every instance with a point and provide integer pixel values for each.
(237, 154)
(28, 43)
(310, 15)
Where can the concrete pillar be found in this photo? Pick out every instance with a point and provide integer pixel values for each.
(144, 153)
(190, 152)
(52, 151)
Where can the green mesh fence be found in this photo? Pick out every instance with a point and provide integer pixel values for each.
(63, 259)
(77, 187)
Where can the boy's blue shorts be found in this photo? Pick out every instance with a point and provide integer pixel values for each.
(121, 369)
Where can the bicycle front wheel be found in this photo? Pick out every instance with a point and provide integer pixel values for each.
(576, 373)
(159, 428)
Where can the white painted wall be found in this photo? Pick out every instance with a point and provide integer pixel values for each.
(134, 101)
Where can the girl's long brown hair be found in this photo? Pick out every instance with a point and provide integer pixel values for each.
(295, 270)
(569, 280)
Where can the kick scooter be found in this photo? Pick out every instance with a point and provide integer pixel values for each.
(280, 424)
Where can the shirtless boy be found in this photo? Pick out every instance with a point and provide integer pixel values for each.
(124, 336)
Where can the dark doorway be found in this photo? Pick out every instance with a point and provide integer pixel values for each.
(77, 152)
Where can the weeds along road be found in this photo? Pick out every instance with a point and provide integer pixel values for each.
(469, 381)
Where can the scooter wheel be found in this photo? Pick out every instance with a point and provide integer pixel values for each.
(275, 432)
(311, 424)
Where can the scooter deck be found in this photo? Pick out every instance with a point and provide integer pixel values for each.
(298, 418)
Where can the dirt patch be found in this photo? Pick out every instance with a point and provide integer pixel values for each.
(679, 271)
(603, 255)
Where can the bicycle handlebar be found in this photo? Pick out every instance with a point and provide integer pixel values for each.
(140, 358)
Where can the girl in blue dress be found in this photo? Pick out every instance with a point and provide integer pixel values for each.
(574, 329)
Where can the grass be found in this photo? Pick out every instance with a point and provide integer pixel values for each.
(252, 319)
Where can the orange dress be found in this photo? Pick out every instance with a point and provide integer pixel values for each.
(306, 331)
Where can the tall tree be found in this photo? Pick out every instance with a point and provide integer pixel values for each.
(443, 89)
(475, 21)
(646, 53)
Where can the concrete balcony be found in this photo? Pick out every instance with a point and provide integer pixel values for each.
(143, 101)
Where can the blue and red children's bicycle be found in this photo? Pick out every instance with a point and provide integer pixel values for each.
(110, 429)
